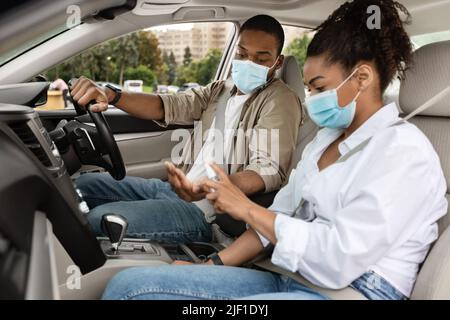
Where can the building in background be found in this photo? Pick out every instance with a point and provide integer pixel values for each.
(200, 39)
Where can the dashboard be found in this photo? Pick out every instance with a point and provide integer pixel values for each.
(35, 186)
(39, 202)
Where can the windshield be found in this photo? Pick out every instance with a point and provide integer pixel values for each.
(11, 54)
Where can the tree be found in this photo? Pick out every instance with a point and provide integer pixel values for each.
(163, 76)
(125, 53)
(187, 58)
(207, 67)
(172, 68)
(298, 48)
(141, 72)
(187, 74)
(150, 53)
(109, 61)
(201, 71)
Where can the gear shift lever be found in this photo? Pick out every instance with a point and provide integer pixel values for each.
(115, 227)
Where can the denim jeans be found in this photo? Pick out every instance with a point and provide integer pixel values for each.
(199, 282)
(374, 287)
(204, 282)
(152, 209)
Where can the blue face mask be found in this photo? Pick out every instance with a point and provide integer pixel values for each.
(248, 76)
(324, 109)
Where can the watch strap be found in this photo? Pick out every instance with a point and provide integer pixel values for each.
(117, 92)
(215, 258)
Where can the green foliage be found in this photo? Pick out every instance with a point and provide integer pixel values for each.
(109, 61)
(187, 58)
(201, 71)
(163, 76)
(298, 48)
(140, 73)
(172, 68)
(137, 56)
(148, 49)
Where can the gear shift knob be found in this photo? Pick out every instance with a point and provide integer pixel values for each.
(115, 227)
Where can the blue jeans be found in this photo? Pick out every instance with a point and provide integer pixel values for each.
(152, 209)
(204, 282)
(222, 282)
(374, 287)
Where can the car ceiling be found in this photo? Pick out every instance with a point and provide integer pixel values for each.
(311, 13)
(427, 17)
(29, 18)
(26, 20)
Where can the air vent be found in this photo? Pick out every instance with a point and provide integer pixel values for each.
(27, 136)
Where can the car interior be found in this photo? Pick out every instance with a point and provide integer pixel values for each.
(47, 248)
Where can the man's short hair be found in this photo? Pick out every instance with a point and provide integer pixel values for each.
(266, 24)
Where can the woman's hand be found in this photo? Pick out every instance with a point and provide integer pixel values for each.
(225, 196)
(181, 262)
(182, 186)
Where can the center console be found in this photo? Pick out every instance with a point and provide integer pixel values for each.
(142, 249)
(116, 247)
(27, 127)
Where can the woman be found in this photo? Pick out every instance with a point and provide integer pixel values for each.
(360, 209)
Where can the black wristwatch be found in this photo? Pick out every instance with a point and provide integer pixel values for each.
(216, 259)
(117, 91)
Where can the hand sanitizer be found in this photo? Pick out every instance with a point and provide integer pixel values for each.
(211, 174)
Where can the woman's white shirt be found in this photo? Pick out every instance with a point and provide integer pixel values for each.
(377, 210)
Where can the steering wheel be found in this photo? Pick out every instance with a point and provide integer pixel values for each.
(106, 153)
(110, 151)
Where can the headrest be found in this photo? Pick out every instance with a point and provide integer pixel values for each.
(429, 75)
(291, 75)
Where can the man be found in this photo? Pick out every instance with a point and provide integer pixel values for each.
(257, 104)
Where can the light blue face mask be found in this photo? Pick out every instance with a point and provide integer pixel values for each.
(248, 76)
(324, 109)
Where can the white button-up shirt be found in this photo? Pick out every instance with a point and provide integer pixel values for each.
(375, 211)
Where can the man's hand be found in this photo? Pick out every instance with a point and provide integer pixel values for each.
(182, 186)
(85, 90)
(226, 196)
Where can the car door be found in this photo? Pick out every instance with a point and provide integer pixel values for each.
(143, 143)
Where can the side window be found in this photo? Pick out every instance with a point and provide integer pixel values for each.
(424, 39)
(296, 43)
(163, 59)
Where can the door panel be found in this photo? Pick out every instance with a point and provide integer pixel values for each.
(143, 143)
(118, 120)
(144, 153)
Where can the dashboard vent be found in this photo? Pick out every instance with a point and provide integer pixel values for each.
(24, 132)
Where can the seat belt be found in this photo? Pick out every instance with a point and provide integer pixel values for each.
(264, 261)
(362, 145)
(225, 222)
(222, 102)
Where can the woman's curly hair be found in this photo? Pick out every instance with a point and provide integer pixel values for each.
(346, 39)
